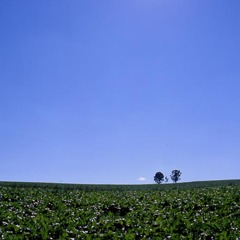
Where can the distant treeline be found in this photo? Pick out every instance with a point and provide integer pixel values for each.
(116, 187)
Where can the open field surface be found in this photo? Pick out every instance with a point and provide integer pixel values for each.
(200, 210)
(110, 187)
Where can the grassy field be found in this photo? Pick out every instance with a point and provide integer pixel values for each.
(196, 210)
(107, 187)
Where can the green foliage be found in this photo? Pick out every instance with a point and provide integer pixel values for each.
(49, 213)
(175, 176)
(111, 187)
(159, 177)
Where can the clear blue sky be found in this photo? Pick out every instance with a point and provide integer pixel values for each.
(113, 91)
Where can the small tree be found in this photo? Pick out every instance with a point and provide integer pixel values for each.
(176, 175)
(159, 177)
(166, 179)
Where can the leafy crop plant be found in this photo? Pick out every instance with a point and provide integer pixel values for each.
(46, 213)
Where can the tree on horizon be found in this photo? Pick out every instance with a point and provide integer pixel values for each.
(175, 176)
(159, 177)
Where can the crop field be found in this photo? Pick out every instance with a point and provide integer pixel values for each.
(119, 212)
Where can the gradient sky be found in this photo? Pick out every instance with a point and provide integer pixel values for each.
(114, 91)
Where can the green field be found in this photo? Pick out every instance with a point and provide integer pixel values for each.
(196, 210)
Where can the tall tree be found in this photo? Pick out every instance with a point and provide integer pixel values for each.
(175, 176)
(159, 177)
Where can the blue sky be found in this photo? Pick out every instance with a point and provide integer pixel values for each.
(113, 91)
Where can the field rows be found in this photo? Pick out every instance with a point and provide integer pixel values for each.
(45, 213)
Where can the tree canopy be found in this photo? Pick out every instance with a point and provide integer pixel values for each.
(175, 176)
(159, 177)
